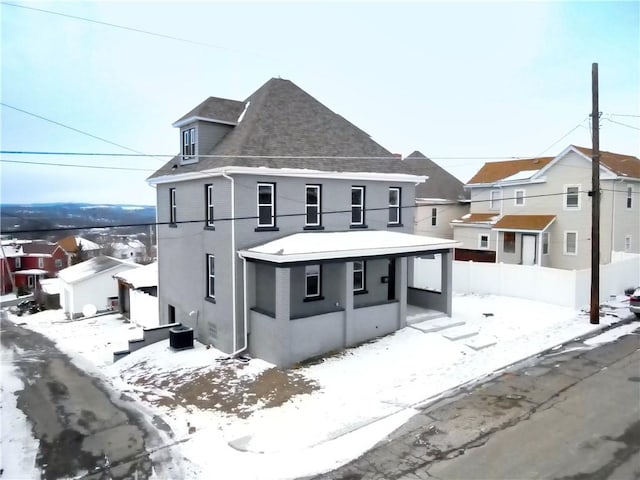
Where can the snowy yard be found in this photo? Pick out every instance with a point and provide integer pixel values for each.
(250, 420)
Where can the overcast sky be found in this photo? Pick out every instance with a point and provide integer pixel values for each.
(468, 80)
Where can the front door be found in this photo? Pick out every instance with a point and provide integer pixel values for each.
(391, 283)
(528, 249)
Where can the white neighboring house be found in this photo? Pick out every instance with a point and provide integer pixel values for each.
(91, 283)
(133, 250)
(138, 295)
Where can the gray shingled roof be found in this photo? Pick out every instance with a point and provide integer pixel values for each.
(441, 184)
(39, 248)
(215, 108)
(284, 120)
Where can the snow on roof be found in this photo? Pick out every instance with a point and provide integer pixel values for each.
(312, 246)
(12, 251)
(87, 245)
(146, 276)
(128, 244)
(51, 286)
(521, 175)
(31, 271)
(90, 267)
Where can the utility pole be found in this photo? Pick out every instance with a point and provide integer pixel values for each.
(594, 310)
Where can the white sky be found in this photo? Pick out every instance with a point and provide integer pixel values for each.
(451, 80)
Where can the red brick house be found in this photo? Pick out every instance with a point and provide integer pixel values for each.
(25, 263)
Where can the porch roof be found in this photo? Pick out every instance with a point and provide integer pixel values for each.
(319, 246)
(530, 223)
(30, 271)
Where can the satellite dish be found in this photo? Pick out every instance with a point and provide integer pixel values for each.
(89, 310)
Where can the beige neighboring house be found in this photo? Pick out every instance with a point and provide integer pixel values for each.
(538, 211)
(439, 200)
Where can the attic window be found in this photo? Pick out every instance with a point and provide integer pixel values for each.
(188, 143)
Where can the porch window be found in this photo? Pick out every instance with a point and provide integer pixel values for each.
(519, 198)
(483, 240)
(208, 204)
(211, 277)
(545, 243)
(494, 199)
(570, 243)
(509, 242)
(572, 197)
(434, 217)
(312, 206)
(188, 143)
(394, 206)
(18, 262)
(359, 282)
(312, 281)
(357, 206)
(173, 208)
(629, 196)
(266, 205)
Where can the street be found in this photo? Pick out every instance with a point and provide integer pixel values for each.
(572, 414)
(82, 430)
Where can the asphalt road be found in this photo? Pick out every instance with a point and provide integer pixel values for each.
(83, 430)
(573, 414)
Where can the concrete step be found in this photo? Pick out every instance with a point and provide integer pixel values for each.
(480, 342)
(460, 333)
(436, 325)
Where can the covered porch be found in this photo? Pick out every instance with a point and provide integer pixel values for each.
(523, 239)
(312, 293)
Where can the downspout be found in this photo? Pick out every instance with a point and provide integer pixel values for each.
(233, 257)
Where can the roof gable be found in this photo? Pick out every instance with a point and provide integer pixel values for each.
(214, 109)
(441, 184)
(495, 171)
(621, 165)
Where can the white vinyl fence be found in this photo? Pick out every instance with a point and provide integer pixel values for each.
(570, 288)
(144, 309)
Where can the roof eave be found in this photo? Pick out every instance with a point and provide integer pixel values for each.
(197, 118)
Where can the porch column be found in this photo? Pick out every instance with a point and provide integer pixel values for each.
(282, 333)
(539, 248)
(446, 283)
(401, 290)
(346, 301)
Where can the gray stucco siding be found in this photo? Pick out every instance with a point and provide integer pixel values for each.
(375, 321)
(313, 336)
(376, 291)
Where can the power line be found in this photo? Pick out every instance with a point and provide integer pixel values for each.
(623, 115)
(99, 167)
(563, 136)
(620, 123)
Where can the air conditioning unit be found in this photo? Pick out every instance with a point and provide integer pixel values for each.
(181, 338)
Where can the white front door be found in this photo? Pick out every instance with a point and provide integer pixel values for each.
(528, 249)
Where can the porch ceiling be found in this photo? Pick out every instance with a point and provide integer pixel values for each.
(315, 246)
(530, 223)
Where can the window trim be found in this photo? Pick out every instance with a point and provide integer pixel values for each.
(360, 205)
(565, 197)
(318, 205)
(173, 207)
(504, 242)
(307, 274)
(547, 243)
(494, 202)
(271, 204)
(516, 198)
(210, 277)
(397, 207)
(480, 235)
(629, 202)
(363, 272)
(434, 216)
(208, 206)
(566, 244)
(188, 143)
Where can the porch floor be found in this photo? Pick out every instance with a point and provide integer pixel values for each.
(417, 314)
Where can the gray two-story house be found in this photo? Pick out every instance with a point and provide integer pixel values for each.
(285, 231)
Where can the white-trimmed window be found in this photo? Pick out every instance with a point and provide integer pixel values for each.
(572, 197)
(494, 200)
(266, 205)
(312, 281)
(519, 198)
(570, 243)
(40, 262)
(394, 206)
(312, 205)
(173, 208)
(357, 205)
(483, 240)
(58, 263)
(359, 283)
(434, 217)
(545, 243)
(627, 243)
(629, 197)
(18, 262)
(509, 242)
(208, 204)
(31, 281)
(211, 276)
(188, 143)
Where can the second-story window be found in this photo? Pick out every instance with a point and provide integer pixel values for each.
(208, 198)
(188, 143)
(394, 206)
(40, 262)
(434, 217)
(572, 197)
(629, 197)
(312, 205)
(266, 205)
(357, 206)
(519, 198)
(173, 209)
(211, 277)
(494, 200)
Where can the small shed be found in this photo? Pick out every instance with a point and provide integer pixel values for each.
(90, 284)
(138, 295)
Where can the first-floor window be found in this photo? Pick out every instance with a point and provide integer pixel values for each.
(266, 205)
(509, 242)
(434, 217)
(545, 243)
(211, 276)
(570, 243)
(627, 243)
(483, 241)
(358, 276)
(312, 281)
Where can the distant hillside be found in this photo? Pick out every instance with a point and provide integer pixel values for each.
(19, 218)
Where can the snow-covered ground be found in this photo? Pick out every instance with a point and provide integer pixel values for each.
(251, 420)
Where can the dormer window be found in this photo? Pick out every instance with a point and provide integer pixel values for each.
(188, 143)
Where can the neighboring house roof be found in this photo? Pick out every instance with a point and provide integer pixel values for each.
(623, 165)
(214, 109)
(12, 251)
(88, 268)
(284, 123)
(45, 248)
(135, 244)
(441, 184)
(470, 218)
(146, 276)
(524, 222)
(317, 246)
(494, 171)
(70, 244)
(51, 286)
